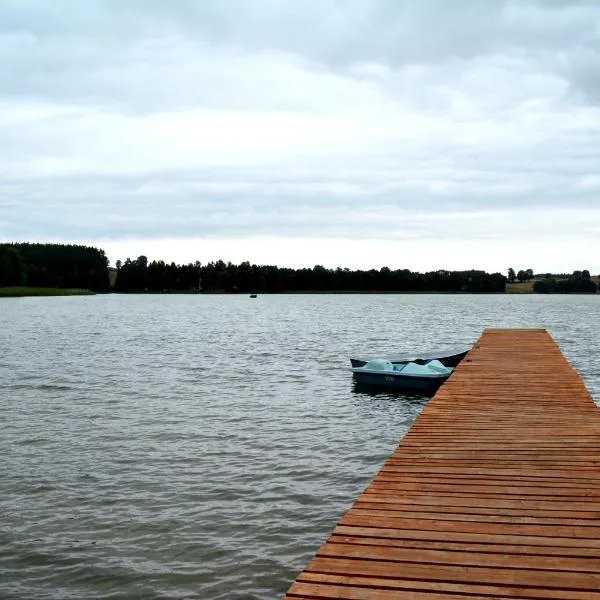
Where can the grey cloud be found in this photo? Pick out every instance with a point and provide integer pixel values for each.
(153, 53)
(501, 98)
(349, 202)
(381, 30)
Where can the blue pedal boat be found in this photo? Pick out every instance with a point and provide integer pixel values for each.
(409, 376)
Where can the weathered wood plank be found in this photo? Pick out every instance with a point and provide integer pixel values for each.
(493, 493)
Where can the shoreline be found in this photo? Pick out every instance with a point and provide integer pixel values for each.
(37, 292)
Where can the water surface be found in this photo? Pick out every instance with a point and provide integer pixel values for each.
(205, 446)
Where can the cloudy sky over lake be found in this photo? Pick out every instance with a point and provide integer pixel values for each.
(358, 133)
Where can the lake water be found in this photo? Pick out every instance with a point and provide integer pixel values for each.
(204, 446)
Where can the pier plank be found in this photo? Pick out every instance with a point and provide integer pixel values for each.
(493, 493)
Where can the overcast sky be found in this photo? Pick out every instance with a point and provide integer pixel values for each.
(356, 133)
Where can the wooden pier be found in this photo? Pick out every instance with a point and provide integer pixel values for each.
(493, 493)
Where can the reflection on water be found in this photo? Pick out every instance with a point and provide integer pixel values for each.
(204, 446)
(370, 392)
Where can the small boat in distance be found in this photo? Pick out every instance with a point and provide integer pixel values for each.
(449, 357)
(425, 378)
(252, 295)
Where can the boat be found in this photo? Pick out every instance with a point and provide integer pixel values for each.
(408, 376)
(252, 295)
(449, 357)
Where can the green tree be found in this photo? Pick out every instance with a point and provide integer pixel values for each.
(545, 286)
(60, 265)
(511, 275)
(12, 269)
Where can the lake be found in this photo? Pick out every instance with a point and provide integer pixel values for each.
(204, 446)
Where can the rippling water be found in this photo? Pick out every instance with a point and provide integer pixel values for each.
(204, 446)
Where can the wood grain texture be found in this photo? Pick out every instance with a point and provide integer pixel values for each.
(493, 493)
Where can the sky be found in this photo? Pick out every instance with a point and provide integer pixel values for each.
(417, 134)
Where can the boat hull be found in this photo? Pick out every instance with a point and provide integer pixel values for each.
(449, 358)
(392, 381)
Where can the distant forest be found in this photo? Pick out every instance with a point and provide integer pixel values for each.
(73, 266)
(579, 282)
(157, 276)
(53, 266)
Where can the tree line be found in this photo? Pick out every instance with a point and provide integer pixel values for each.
(157, 276)
(53, 266)
(85, 267)
(579, 282)
(522, 275)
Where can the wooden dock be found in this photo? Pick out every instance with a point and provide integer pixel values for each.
(493, 493)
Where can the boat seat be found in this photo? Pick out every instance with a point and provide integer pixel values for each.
(412, 368)
(438, 367)
(379, 364)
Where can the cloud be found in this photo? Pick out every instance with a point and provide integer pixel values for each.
(398, 122)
